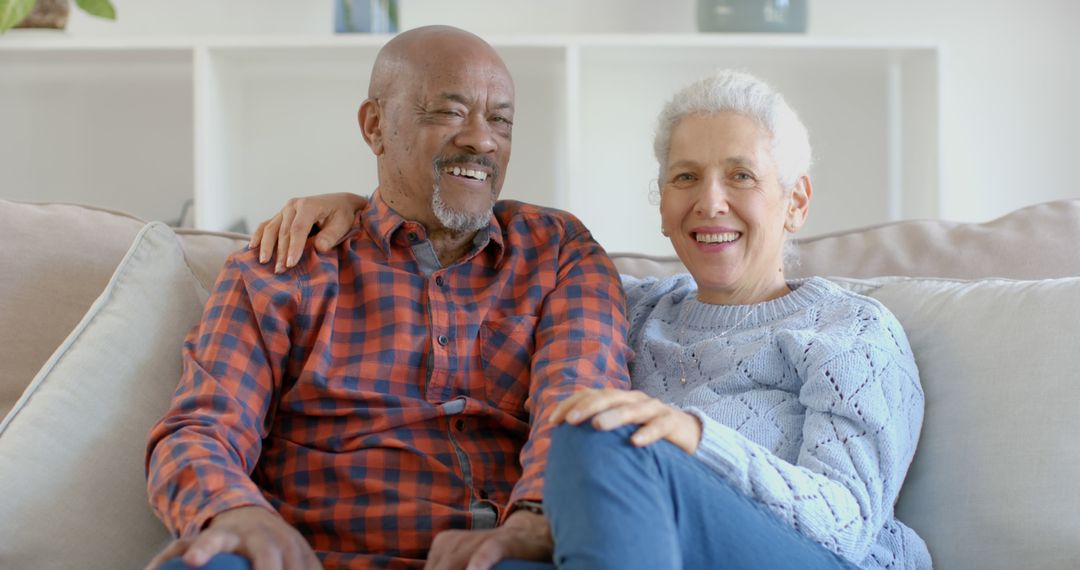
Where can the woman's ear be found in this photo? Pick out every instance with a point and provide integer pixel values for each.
(798, 204)
(370, 118)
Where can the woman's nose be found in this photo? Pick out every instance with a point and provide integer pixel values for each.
(712, 200)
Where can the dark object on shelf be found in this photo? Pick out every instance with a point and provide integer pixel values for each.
(770, 16)
(47, 14)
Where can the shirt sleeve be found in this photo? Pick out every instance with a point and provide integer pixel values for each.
(864, 409)
(201, 453)
(581, 343)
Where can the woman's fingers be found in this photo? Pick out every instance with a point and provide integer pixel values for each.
(299, 230)
(288, 216)
(573, 405)
(268, 237)
(610, 409)
(631, 412)
(586, 404)
(660, 426)
(678, 427)
(268, 241)
(335, 226)
(558, 415)
(256, 236)
(283, 236)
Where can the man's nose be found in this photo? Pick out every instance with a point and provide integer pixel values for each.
(476, 136)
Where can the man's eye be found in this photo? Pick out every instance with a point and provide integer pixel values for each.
(503, 120)
(683, 177)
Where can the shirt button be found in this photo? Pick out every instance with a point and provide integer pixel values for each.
(459, 425)
(443, 340)
(439, 281)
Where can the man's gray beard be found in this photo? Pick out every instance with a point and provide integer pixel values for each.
(457, 220)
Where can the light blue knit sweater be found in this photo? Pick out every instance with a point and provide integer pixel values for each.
(811, 404)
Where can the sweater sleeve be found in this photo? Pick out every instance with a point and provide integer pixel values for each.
(863, 413)
(636, 288)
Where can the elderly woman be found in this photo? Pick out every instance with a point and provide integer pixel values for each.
(773, 420)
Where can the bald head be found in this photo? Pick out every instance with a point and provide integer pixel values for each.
(424, 50)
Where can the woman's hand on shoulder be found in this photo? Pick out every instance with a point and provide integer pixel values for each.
(611, 408)
(283, 236)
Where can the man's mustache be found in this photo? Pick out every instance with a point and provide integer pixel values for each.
(441, 162)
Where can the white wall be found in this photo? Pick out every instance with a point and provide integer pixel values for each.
(1010, 81)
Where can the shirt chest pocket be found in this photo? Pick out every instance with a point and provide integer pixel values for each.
(506, 349)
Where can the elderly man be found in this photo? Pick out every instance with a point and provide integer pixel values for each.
(345, 411)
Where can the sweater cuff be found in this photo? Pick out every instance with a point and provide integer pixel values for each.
(719, 448)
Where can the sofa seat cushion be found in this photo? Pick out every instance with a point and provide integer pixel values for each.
(991, 483)
(72, 449)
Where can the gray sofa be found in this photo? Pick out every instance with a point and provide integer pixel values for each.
(95, 304)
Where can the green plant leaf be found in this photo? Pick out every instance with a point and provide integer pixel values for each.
(12, 12)
(99, 8)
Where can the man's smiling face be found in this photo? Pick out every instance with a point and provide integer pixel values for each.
(446, 135)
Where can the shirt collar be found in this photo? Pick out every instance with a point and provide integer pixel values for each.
(387, 228)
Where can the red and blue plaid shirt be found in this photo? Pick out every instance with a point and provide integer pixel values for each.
(373, 404)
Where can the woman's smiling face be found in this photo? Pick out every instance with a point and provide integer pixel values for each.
(725, 210)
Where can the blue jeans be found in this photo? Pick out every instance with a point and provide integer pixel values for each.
(613, 505)
(228, 561)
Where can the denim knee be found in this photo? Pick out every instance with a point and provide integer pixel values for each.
(583, 447)
(223, 561)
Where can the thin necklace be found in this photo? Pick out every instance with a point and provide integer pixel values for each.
(684, 350)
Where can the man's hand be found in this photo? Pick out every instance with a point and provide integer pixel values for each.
(260, 535)
(524, 536)
(289, 228)
(610, 409)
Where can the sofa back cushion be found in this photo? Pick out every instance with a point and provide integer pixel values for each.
(72, 448)
(57, 258)
(1036, 242)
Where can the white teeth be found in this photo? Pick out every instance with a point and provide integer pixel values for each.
(459, 171)
(717, 238)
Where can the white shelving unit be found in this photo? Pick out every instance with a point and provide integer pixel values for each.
(241, 124)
